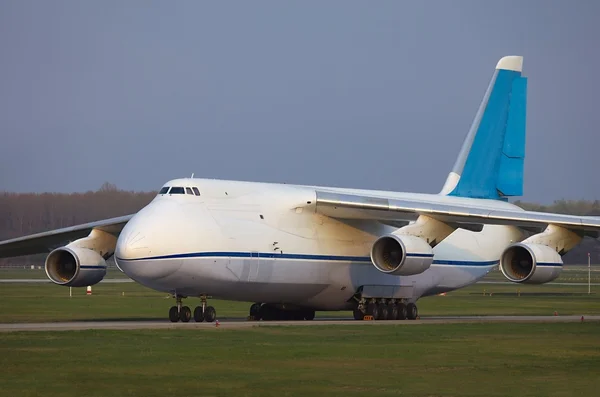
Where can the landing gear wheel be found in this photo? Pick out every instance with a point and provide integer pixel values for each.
(298, 315)
(210, 314)
(173, 314)
(185, 314)
(401, 311)
(358, 314)
(267, 313)
(255, 311)
(285, 315)
(392, 311)
(373, 310)
(309, 315)
(411, 311)
(383, 312)
(198, 314)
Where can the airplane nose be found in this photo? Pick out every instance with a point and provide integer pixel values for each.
(141, 251)
(132, 242)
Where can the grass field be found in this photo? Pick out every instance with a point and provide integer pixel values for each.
(495, 359)
(421, 360)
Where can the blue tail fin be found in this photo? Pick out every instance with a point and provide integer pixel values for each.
(490, 163)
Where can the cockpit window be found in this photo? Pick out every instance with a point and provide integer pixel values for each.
(196, 191)
(188, 191)
(177, 190)
(164, 190)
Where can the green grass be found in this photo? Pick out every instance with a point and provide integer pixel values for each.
(421, 360)
(496, 359)
(131, 301)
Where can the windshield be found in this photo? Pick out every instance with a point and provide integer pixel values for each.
(177, 190)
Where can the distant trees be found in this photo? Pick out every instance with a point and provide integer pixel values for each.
(27, 213)
(573, 207)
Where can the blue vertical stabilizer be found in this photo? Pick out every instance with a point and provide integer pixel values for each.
(490, 164)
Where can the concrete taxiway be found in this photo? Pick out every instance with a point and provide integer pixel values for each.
(240, 323)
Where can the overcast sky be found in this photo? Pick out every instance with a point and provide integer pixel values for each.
(343, 93)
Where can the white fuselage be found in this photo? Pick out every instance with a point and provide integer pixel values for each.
(266, 243)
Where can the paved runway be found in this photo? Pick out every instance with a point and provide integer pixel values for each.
(239, 323)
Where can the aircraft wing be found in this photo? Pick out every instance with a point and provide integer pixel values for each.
(46, 241)
(350, 206)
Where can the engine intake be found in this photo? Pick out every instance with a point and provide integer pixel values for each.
(530, 263)
(75, 267)
(401, 255)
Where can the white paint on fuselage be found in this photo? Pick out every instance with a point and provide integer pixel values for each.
(265, 243)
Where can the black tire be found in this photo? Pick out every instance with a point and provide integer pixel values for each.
(198, 314)
(285, 315)
(297, 315)
(255, 311)
(173, 314)
(392, 311)
(267, 313)
(309, 315)
(401, 311)
(210, 314)
(369, 309)
(358, 314)
(373, 310)
(411, 311)
(383, 312)
(185, 314)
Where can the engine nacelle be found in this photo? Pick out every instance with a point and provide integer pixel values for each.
(75, 266)
(401, 255)
(530, 263)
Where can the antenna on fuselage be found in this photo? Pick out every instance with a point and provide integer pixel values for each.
(192, 177)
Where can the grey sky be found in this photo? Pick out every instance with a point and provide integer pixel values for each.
(355, 94)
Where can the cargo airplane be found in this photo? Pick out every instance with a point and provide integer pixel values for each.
(295, 249)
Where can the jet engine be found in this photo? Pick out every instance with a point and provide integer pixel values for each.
(530, 263)
(401, 255)
(75, 266)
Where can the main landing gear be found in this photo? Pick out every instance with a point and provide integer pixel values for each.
(184, 313)
(268, 312)
(386, 309)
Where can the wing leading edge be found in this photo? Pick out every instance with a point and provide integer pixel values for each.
(44, 242)
(349, 206)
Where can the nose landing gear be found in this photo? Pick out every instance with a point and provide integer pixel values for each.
(204, 313)
(179, 312)
(184, 313)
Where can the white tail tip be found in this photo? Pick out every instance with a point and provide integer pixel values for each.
(512, 62)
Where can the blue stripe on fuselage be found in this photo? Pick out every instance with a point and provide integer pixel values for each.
(258, 255)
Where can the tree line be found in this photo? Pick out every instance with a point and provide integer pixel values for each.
(22, 214)
(27, 213)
